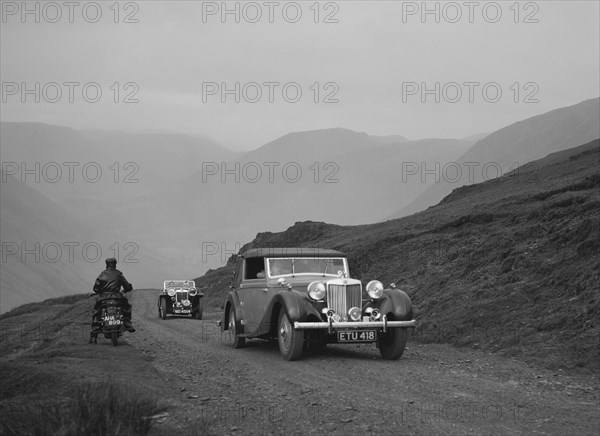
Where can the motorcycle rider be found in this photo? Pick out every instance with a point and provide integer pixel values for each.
(111, 280)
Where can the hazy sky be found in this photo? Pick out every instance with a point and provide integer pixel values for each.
(368, 60)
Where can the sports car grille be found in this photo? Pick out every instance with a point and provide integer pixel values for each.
(180, 296)
(342, 297)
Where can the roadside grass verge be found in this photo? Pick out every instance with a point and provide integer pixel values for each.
(42, 305)
(54, 383)
(93, 408)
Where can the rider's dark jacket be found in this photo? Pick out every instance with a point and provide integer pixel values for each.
(111, 280)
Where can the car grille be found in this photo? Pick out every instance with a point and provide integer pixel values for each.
(181, 296)
(342, 297)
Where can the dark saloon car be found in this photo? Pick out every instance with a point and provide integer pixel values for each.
(304, 296)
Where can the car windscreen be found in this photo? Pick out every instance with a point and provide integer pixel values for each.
(187, 284)
(306, 265)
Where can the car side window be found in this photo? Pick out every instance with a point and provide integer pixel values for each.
(255, 268)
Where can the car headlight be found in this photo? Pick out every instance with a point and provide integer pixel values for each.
(186, 302)
(193, 292)
(375, 289)
(171, 292)
(316, 290)
(354, 314)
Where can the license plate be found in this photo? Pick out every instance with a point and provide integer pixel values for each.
(112, 321)
(357, 336)
(183, 311)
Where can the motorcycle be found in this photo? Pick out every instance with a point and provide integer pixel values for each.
(111, 321)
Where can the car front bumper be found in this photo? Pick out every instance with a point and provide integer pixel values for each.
(384, 324)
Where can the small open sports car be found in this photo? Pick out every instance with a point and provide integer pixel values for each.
(180, 297)
(303, 296)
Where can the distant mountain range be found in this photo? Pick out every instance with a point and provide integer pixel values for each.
(36, 239)
(512, 147)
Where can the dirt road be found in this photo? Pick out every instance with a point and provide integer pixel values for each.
(432, 389)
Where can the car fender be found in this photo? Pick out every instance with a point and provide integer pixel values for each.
(195, 300)
(296, 305)
(397, 303)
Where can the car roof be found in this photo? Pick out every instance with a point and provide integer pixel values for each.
(291, 252)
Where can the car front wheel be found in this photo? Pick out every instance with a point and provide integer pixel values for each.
(163, 308)
(291, 341)
(392, 343)
(200, 310)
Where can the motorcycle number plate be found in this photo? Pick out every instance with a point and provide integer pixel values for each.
(113, 322)
(357, 336)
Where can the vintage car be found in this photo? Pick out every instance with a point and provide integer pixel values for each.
(180, 297)
(304, 296)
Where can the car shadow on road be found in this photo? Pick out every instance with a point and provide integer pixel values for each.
(177, 317)
(314, 353)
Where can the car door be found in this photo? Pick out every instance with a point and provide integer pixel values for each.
(253, 294)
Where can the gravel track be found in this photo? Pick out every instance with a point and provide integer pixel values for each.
(432, 389)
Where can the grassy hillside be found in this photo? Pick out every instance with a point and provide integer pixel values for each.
(509, 266)
(53, 382)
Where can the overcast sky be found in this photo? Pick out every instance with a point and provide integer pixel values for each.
(369, 62)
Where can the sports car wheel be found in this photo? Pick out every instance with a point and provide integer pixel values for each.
(391, 345)
(163, 308)
(291, 341)
(231, 334)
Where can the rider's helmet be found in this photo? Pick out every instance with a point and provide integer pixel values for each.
(111, 263)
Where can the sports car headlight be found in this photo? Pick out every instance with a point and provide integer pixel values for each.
(354, 314)
(171, 292)
(375, 289)
(193, 292)
(186, 302)
(316, 291)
